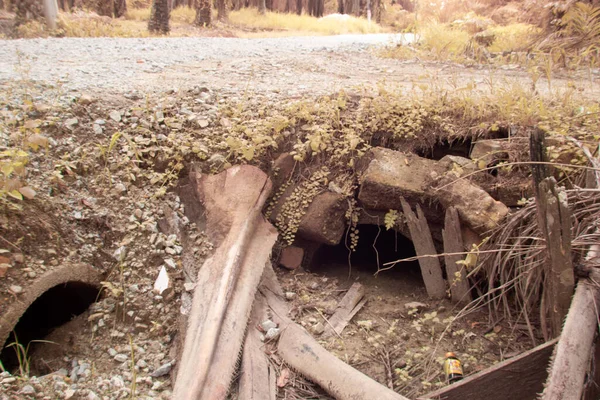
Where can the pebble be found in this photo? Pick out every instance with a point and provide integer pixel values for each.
(16, 289)
(120, 188)
(319, 328)
(290, 295)
(121, 358)
(28, 389)
(115, 115)
(268, 324)
(162, 370)
(97, 129)
(272, 334)
(92, 396)
(71, 122)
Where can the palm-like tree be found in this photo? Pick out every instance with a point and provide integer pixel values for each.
(159, 18)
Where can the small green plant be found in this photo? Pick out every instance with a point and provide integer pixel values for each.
(22, 353)
(390, 219)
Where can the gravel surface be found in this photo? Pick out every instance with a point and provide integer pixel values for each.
(275, 68)
(144, 63)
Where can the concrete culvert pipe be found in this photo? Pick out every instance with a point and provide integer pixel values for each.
(49, 302)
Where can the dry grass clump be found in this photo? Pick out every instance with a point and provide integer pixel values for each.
(81, 24)
(512, 270)
(249, 18)
(466, 40)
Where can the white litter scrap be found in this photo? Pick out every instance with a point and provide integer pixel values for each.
(162, 282)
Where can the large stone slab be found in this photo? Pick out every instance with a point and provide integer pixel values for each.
(324, 220)
(475, 206)
(388, 175)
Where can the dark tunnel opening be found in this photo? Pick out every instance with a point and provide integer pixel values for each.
(52, 309)
(376, 247)
(461, 148)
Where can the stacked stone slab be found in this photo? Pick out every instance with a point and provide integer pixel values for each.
(388, 175)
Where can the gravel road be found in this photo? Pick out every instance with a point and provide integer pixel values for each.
(151, 63)
(276, 67)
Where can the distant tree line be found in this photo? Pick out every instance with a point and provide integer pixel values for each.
(161, 9)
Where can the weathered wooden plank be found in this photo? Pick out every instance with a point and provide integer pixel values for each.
(453, 243)
(554, 220)
(574, 349)
(519, 378)
(254, 375)
(346, 309)
(423, 242)
(555, 223)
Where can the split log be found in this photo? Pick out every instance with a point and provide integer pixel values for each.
(301, 352)
(574, 349)
(256, 379)
(521, 377)
(350, 304)
(423, 242)
(227, 281)
(453, 243)
(554, 220)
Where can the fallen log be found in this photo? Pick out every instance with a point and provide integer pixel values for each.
(226, 283)
(574, 349)
(521, 377)
(350, 304)
(302, 353)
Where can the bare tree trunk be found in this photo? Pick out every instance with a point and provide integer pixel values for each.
(105, 8)
(319, 8)
(341, 6)
(269, 4)
(299, 7)
(50, 13)
(262, 7)
(1, 4)
(222, 11)
(120, 8)
(203, 13)
(159, 18)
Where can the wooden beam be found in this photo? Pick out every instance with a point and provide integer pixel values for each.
(423, 242)
(574, 349)
(348, 307)
(518, 378)
(453, 243)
